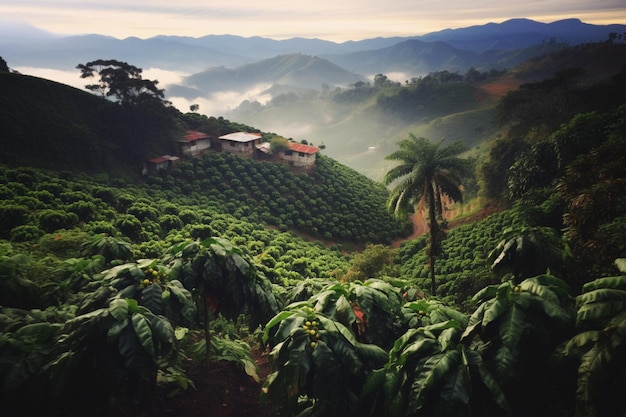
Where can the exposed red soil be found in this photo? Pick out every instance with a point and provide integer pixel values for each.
(223, 390)
(499, 88)
(454, 218)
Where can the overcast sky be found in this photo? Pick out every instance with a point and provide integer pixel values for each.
(336, 20)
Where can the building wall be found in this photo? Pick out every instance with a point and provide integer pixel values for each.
(298, 159)
(195, 148)
(241, 148)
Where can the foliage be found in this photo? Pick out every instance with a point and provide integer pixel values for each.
(319, 365)
(120, 80)
(430, 372)
(516, 328)
(599, 345)
(427, 173)
(530, 251)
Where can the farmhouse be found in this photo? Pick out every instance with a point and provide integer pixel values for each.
(300, 155)
(242, 143)
(193, 143)
(161, 162)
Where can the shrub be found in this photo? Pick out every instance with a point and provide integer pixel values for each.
(170, 222)
(25, 233)
(130, 226)
(12, 215)
(52, 220)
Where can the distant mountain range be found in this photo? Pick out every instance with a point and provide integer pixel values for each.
(27, 46)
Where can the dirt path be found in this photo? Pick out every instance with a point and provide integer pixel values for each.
(419, 228)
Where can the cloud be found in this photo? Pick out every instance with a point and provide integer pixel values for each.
(327, 19)
(221, 103)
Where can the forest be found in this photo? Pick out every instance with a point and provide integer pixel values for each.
(117, 290)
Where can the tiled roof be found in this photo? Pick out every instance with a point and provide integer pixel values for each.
(192, 135)
(161, 159)
(299, 147)
(241, 136)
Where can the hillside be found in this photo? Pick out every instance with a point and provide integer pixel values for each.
(292, 71)
(50, 125)
(360, 126)
(86, 134)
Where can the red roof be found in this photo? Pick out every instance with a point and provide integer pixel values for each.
(164, 158)
(192, 135)
(299, 147)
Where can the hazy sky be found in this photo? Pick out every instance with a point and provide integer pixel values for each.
(336, 20)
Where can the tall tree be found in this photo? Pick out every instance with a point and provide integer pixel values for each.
(121, 81)
(427, 171)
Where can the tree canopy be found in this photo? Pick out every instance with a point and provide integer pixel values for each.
(427, 172)
(120, 81)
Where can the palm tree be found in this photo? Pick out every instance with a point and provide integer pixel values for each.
(427, 171)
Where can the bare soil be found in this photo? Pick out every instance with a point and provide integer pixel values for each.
(223, 390)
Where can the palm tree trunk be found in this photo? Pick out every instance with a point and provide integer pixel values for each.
(433, 237)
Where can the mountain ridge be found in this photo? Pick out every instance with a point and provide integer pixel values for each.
(190, 54)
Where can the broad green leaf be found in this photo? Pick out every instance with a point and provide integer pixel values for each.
(289, 326)
(115, 330)
(474, 322)
(533, 287)
(486, 293)
(283, 315)
(420, 348)
(340, 328)
(372, 353)
(143, 332)
(495, 310)
(449, 337)
(601, 294)
(432, 376)
(458, 386)
(582, 339)
(618, 283)
(118, 307)
(494, 386)
(162, 329)
(373, 382)
(38, 332)
(151, 298)
(620, 263)
(598, 311)
(512, 326)
(252, 370)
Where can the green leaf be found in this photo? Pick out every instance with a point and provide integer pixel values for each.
(143, 332)
(289, 326)
(162, 329)
(115, 330)
(118, 307)
(435, 369)
(494, 386)
(532, 286)
(495, 310)
(151, 298)
(618, 283)
(283, 315)
(513, 326)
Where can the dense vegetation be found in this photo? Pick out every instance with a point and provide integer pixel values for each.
(110, 288)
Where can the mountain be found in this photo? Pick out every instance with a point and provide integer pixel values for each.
(521, 33)
(295, 71)
(30, 47)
